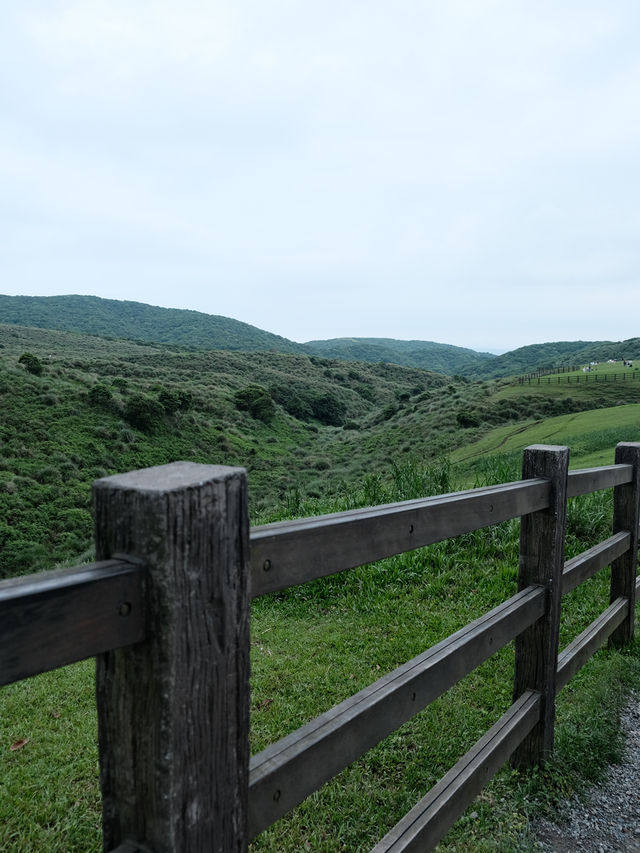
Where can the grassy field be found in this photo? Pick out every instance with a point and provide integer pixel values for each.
(591, 436)
(311, 647)
(402, 433)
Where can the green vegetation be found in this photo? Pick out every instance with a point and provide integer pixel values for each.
(316, 435)
(547, 356)
(114, 319)
(31, 362)
(443, 358)
(256, 400)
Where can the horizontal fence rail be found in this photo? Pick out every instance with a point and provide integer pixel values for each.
(288, 553)
(587, 376)
(435, 814)
(586, 480)
(59, 617)
(185, 538)
(585, 565)
(573, 658)
(286, 772)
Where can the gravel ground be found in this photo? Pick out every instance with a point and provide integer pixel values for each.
(609, 819)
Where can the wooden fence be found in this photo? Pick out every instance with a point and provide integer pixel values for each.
(587, 376)
(166, 611)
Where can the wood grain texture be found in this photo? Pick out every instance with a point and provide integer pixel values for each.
(626, 507)
(541, 562)
(286, 772)
(173, 711)
(288, 553)
(54, 618)
(423, 827)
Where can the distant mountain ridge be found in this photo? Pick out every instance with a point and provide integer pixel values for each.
(443, 358)
(137, 321)
(187, 329)
(112, 318)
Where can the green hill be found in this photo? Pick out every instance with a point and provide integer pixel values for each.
(115, 319)
(75, 407)
(184, 329)
(547, 356)
(315, 435)
(136, 321)
(443, 358)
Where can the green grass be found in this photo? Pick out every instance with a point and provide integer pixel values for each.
(313, 646)
(591, 436)
(49, 793)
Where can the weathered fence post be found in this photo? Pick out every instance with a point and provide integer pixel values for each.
(173, 711)
(541, 561)
(626, 509)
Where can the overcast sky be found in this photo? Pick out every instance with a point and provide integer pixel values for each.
(461, 171)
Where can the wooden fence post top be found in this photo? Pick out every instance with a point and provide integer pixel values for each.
(167, 478)
(551, 447)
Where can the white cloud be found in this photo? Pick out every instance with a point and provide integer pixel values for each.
(324, 169)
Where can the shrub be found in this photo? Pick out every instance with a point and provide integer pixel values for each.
(467, 419)
(293, 400)
(173, 400)
(366, 392)
(143, 412)
(100, 396)
(31, 362)
(256, 400)
(48, 474)
(49, 399)
(328, 409)
(388, 412)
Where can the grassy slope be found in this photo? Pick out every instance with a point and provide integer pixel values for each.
(549, 355)
(591, 436)
(51, 433)
(193, 329)
(314, 645)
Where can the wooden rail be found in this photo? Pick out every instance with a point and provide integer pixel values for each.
(544, 378)
(166, 611)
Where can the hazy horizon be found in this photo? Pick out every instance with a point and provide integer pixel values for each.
(464, 172)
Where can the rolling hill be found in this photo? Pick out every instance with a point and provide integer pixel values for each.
(194, 330)
(443, 358)
(115, 319)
